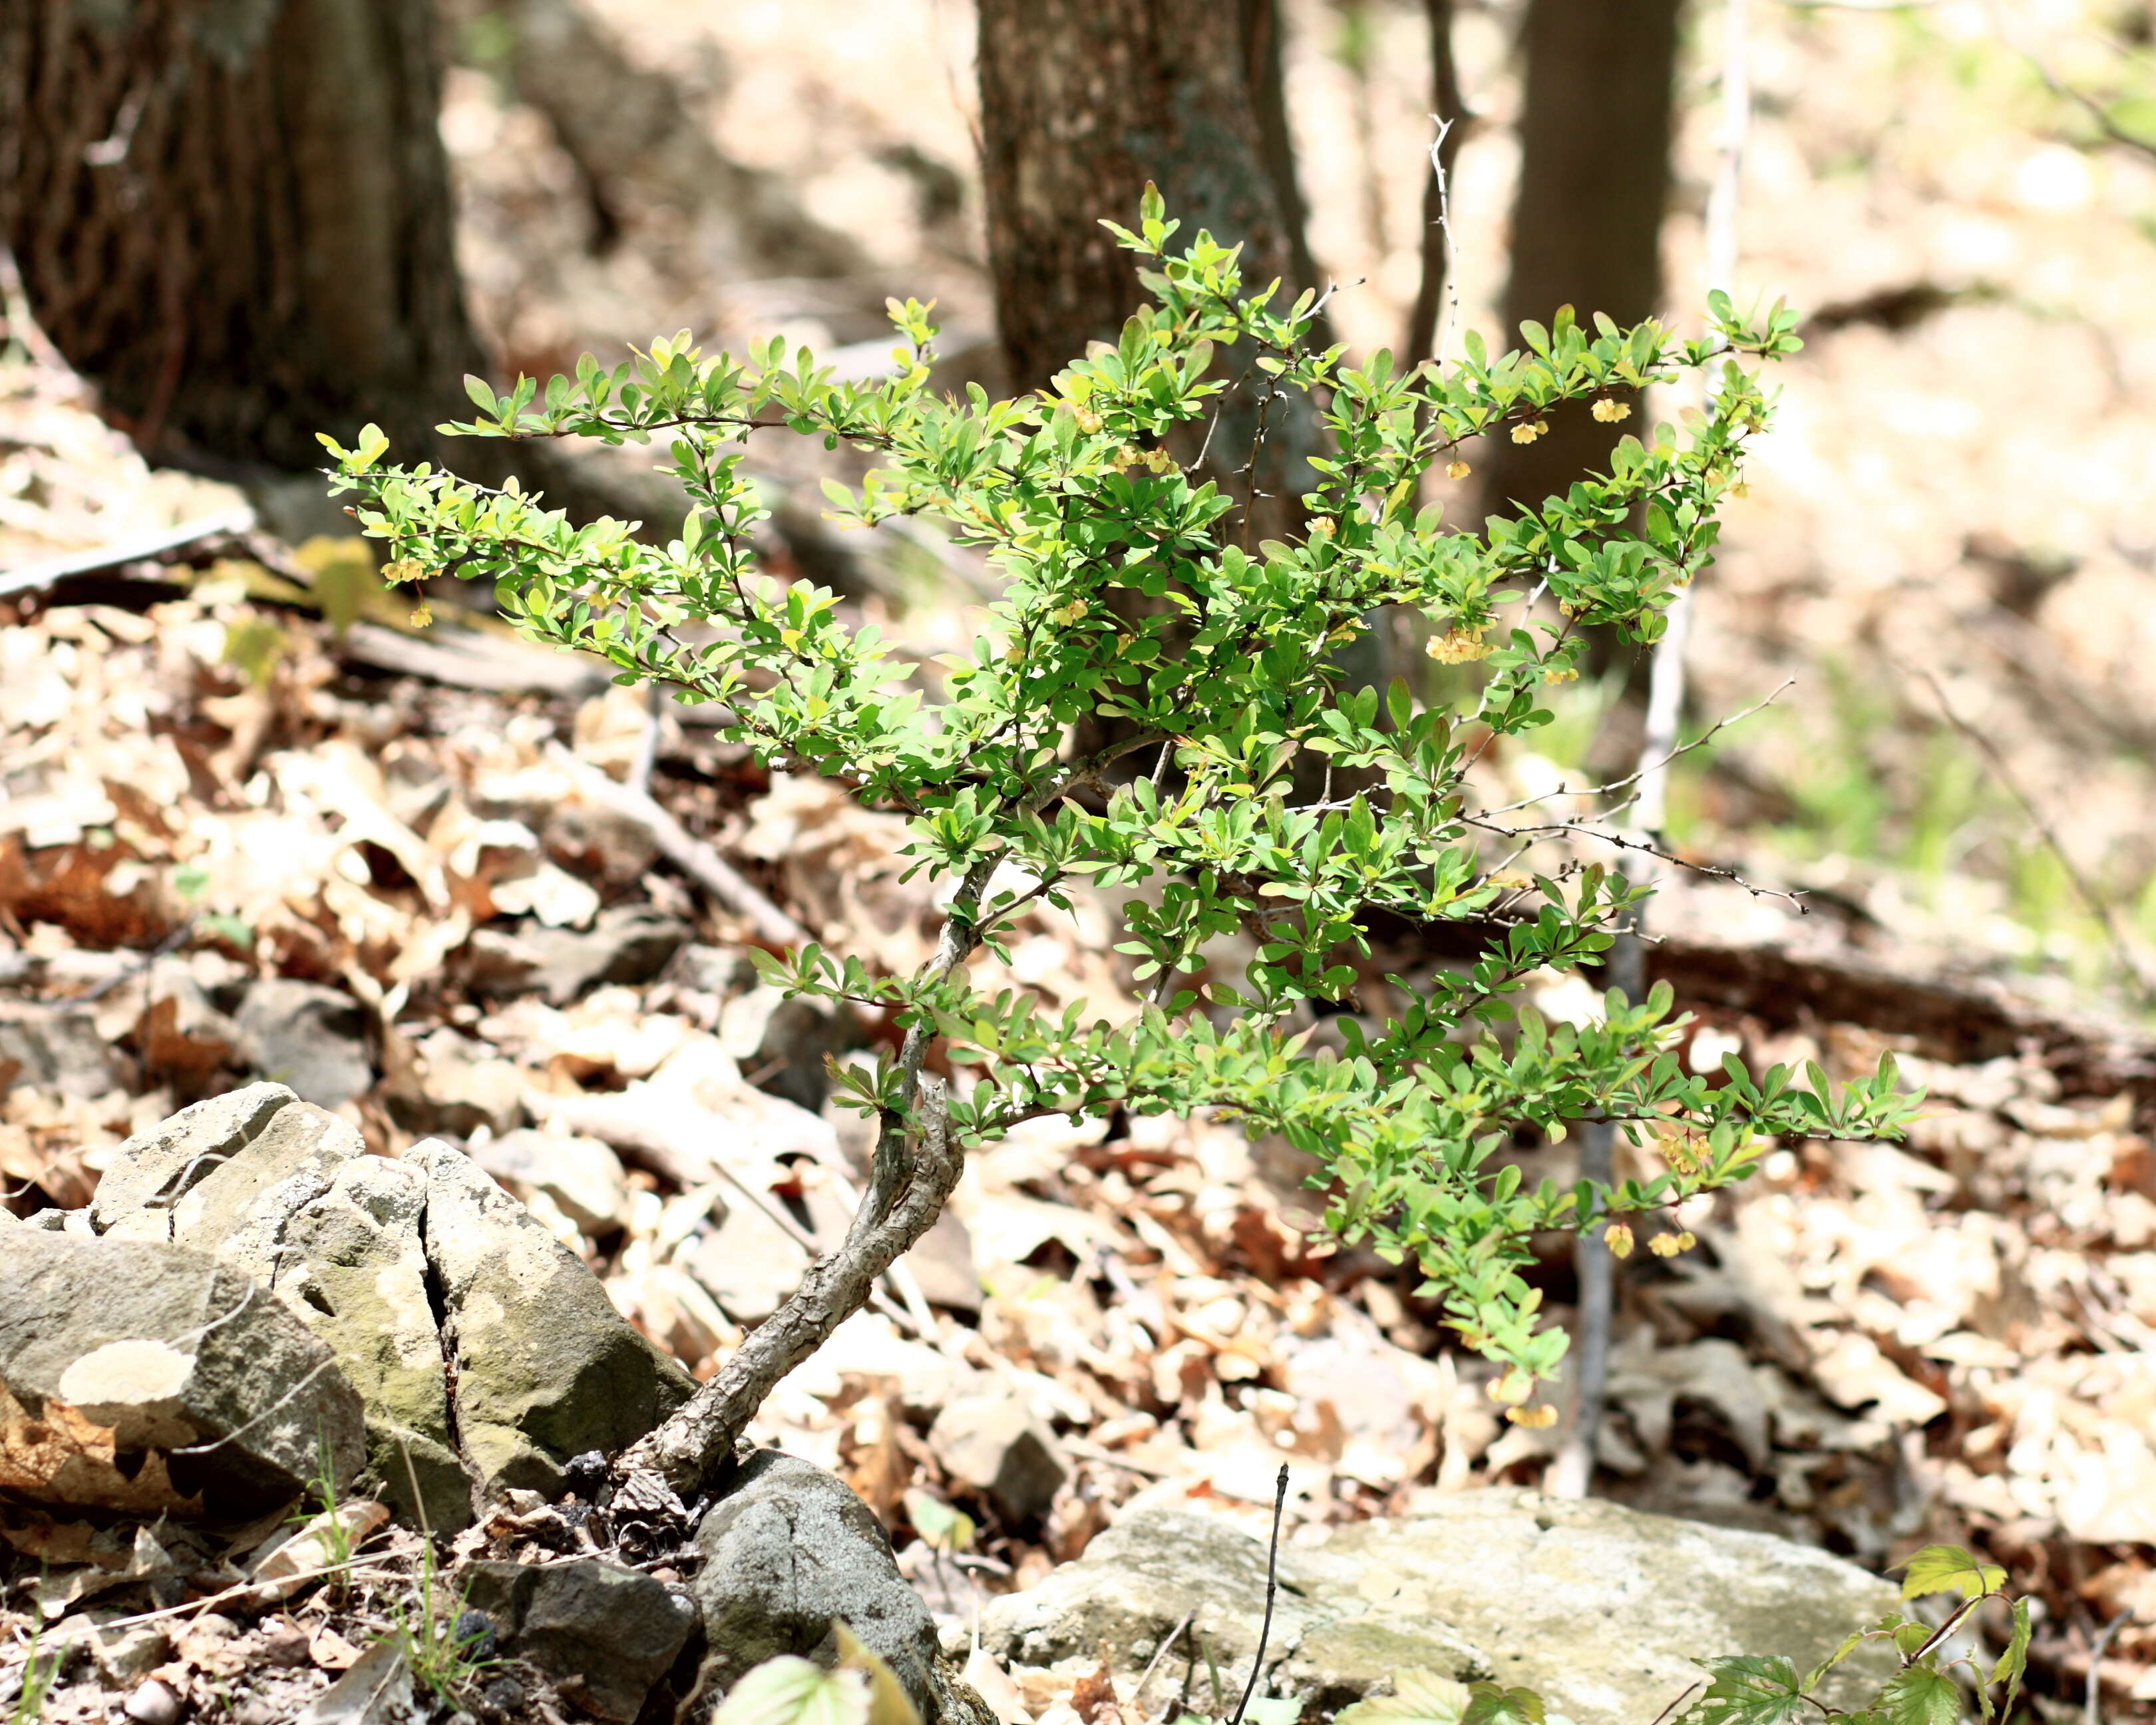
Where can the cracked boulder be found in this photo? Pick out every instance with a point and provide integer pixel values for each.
(286, 1192)
(403, 1267)
(789, 1552)
(547, 1367)
(142, 1377)
(1599, 1609)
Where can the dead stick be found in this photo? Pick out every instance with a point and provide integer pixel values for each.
(691, 855)
(2100, 905)
(1272, 1587)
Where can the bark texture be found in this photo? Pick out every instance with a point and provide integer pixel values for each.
(1588, 218)
(1082, 102)
(235, 215)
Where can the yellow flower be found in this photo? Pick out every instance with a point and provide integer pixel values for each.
(1685, 1152)
(1457, 646)
(1610, 412)
(1561, 674)
(1539, 1418)
(1088, 420)
(1618, 1237)
(1323, 525)
(404, 569)
(1528, 432)
(1458, 470)
(421, 616)
(1668, 1245)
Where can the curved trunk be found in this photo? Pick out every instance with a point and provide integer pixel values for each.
(235, 216)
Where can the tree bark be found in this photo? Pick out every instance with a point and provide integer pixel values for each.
(235, 215)
(1588, 217)
(1082, 102)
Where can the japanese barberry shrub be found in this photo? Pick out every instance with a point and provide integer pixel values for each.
(1219, 685)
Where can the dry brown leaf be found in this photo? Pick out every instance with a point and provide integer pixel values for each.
(1093, 1696)
(60, 1456)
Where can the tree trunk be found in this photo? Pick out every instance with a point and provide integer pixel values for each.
(235, 215)
(1082, 102)
(1587, 218)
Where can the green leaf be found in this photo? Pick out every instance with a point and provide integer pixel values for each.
(1949, 1569)
(1419, 1697)
(1918, 1695)
(2014, 1662)
(788, 1691)
(1817, 1674)
(889, 1704)
(1273, 1710)
(1492, 1704)
(1749, 1689)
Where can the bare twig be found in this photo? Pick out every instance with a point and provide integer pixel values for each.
(1439, 250)
(138, 547)
(1272, 1587)
(1168, 1641)
(1573, 1474)
(1633, 777)
(2098, 902)
(2112, 131)
(1619, 842)
(2093, 1690)
(691, 855)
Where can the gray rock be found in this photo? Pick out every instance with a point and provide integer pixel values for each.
(61, 1051)
(941, 1261)
(282, 1190)
(157, 1168)
(582, 1176)
(206, 1176)
(546, 1368)
(308, 1037)
(597, 845)
(627, 943)
(604, 1634)
(399, 1267)
(1597, 1607)
(790, 1550)
(180, 1357)
(992, 1442)
(748, 1263)
(356, 1271)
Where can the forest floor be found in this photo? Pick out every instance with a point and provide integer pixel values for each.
(1872, 1347)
